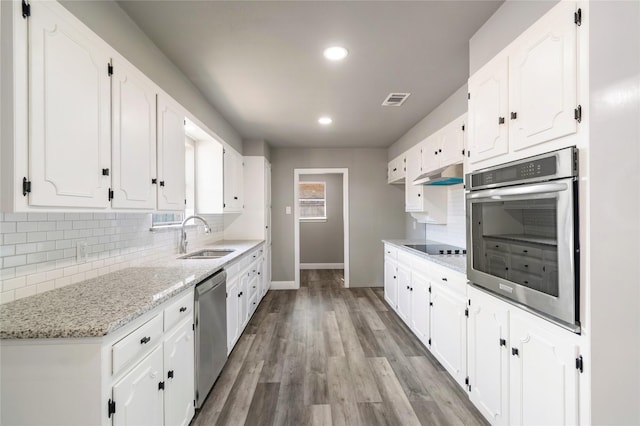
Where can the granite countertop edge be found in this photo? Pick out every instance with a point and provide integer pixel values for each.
(455, 262)
(99, 306)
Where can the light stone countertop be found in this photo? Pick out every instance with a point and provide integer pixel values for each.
(456, 262)
(101, 305)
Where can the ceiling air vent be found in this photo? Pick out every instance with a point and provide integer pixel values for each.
(395, 99)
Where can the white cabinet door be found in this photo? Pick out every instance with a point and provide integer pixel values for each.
(413, 193)
(543, 80)
(451, 143)
(138, 397)
(233, 306)
(420, 310)
(488, 109)
(430, 150)
(243, 300)
(171, 155)
(449, 331)
(543, 380)
(179, 375)
(391, 282)
(69, 112)
(488, 356)
(133, 138)
(404, 294)
(233, 181)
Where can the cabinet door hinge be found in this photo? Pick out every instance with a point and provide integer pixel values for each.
(429, 342)
(194, 402)
(467, 382)
(468, 153)
(466, 312)
(577, 17)
(429, 289)
(110, 194)
(580, 364)
(26, 9)
(577, 113)
(26, 186)
(463, 127)
(468, 95)
(109, 69)
(111, 408)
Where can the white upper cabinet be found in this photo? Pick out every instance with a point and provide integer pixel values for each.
(488, 111)
(133, 139)
(413, 193)
(69, 112)
(396, 169)
(445, 147)
(233, 181)
(171, 155)
(543, 80)
(525, 101)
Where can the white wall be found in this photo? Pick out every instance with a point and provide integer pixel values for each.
(614, 204)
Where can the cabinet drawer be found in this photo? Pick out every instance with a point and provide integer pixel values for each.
(253, 287)
(529, 280)
(496, 246)
(253, 304)
(178, 310)
(452, 280)
(390, 251)
(137, 343)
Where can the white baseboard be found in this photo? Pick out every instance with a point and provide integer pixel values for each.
(283, 285)
(322, 266)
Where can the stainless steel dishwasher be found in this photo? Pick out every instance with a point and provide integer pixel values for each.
(211, 332)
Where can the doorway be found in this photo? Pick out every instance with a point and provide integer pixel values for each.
(318, 225)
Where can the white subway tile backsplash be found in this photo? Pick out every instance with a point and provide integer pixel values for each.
(16, 238)
(454, 232)
(38, 250)
(15, 260)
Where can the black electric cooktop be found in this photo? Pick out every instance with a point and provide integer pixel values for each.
(437, 249)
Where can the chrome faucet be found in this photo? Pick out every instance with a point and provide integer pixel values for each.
(183, 233)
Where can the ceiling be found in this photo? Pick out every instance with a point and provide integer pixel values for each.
(260, 63)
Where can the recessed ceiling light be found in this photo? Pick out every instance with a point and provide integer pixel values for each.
(325, 120)
(335, 53)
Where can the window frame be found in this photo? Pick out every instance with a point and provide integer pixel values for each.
(324, 200)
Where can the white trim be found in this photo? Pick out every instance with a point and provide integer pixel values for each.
(283, 285)
(322, 266)
(296, 218)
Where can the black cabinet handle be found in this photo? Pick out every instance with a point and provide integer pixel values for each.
(526, 266)
(419, 195)
(503, 342)
(500, 120)
(525, 251)
(394, 277)
(407, 287)
(514, 115)
(105, 172)
(154, 181)
(161, 183)
(170, 374)
(235, 198)
(394, 169)
(183, 309)
(444, 279)
(514, 352)
(161, 386)
(439, 150)
(435, 152)
(145, 340)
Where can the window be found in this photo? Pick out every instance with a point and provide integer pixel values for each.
(312, 201)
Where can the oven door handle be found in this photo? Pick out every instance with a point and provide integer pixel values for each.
(540, 188)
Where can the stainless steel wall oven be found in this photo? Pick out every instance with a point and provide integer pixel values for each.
(522, 234)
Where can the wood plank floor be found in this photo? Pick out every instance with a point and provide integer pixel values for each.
(326, 355)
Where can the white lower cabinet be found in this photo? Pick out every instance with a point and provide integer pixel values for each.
(391, 282)
(179, 378)
(140, 401)
(449, 331)
(420, 309)
(404, 293)
(246, 286)
(488, 357)
(522, 369)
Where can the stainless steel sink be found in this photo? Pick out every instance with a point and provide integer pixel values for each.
(208, 254)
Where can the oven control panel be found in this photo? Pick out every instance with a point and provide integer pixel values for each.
(535, 169)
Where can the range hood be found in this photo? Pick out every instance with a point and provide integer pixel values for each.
(450, 175)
